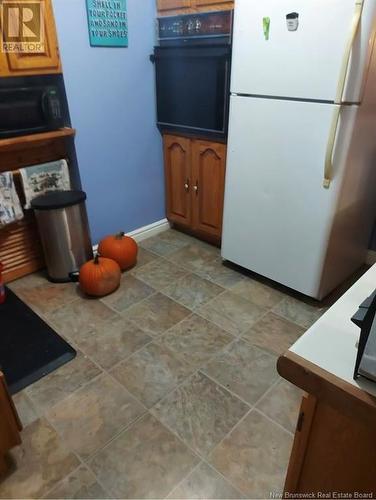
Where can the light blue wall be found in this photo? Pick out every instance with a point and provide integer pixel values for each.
(112, 106)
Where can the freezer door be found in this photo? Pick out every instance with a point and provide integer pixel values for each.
(278, 217)
(277, 54)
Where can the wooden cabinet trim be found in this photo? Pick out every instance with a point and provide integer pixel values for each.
(176, 7)
(352, 401)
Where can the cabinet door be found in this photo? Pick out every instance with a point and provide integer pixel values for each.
(173, 4)
(3, 63)
(208, 170)
(10, 424)
(47, 61)
(177, 153)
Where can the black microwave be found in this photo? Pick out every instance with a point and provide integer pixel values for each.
(30, 105)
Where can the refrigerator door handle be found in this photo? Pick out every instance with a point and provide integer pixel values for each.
(328, 174)
(348, 49)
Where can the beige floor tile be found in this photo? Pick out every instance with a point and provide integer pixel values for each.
(194, 257)
(81, 484)
(152, 373)
(38, 464)
(145, 461)
(29, 281)
(46, 297)
(192, 291)
(204, 483)
(219, 273)
(258, 293)
(299, 312)
(159, 274)
(177, 237)
(254, 457)
(25, 408)
(144, 257)
(165, 243)
(196, 340)
(130, 292)
(82, 314)
(157, 314)
(59, 384)
(200, 412)
(245, 370)
(232, 313)
(274, 334)
(112, 341)
(94, 414)
(282, 404)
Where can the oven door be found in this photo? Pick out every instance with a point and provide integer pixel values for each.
(29, 110)
(193, 89)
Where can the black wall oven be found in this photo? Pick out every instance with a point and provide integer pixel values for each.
(193, 74)
(32, 104)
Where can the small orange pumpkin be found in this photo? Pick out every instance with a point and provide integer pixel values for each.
(122, 249)
(100, 276)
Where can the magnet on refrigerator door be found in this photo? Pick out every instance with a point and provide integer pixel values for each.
(292, 20)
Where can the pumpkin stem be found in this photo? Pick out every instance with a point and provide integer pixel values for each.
(120, 235)
(96, 259)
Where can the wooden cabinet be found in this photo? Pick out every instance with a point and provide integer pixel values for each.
(172, 7)
(202, 3)
(195, 179)
(173, 4)
(177, 154)
(208, 175)
(10, 425)
(46, 62)
(332, 452)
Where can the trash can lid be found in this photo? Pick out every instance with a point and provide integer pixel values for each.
(58, 199)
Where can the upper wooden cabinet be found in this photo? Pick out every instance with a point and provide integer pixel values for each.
(202, 3)
(173, 4)
(195, 179)
(46, 62)
(171, 7)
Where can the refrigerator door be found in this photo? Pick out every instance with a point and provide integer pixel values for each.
(302, 57)
(278, 217)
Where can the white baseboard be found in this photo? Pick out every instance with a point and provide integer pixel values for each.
(148, 231)
(371, 257)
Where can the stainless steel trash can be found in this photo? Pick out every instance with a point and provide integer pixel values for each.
(64, 232)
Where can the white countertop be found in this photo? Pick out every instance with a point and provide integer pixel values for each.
(331, 342)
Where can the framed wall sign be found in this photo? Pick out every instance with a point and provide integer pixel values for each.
(108, 23)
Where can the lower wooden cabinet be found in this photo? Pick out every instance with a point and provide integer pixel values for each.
(10, 425)
(332, 452)
(195, 179)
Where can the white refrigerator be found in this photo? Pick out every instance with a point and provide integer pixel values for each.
(300, 184)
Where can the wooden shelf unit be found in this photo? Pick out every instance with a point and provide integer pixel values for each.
(20, 247)
(33, 140)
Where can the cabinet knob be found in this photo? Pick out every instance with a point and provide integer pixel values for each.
(195, 188)
(186, 185)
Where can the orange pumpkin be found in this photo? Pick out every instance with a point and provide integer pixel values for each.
(100, 276)
(122, 249)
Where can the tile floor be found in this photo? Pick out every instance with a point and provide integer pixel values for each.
(174, 391)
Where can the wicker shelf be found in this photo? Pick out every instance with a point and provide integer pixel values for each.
(34, 140)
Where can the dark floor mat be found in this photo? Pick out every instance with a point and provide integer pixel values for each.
(29, 348)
